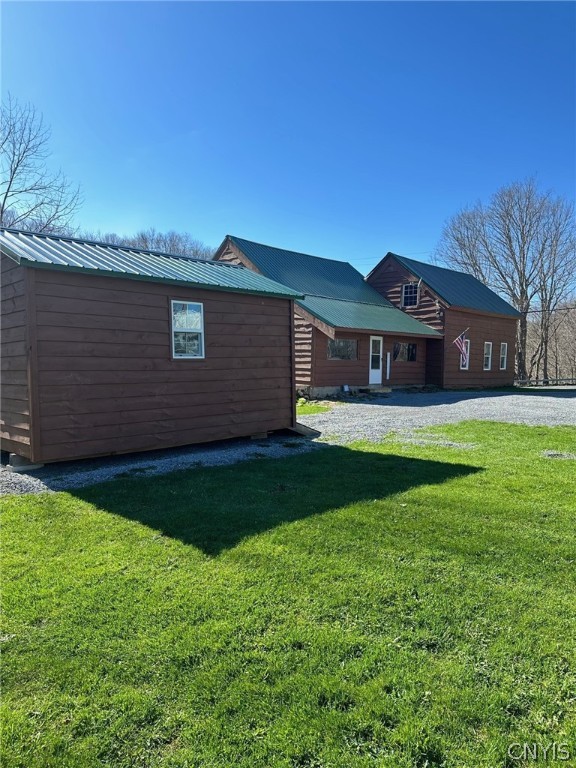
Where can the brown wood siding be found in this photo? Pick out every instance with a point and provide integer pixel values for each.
(15, 404)
(388, 279)
(303, 351)
(335, 373)
(229, 254)
(107, 383)
(481, 328)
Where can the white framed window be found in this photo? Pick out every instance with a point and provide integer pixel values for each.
(503, 356)
(465, 359)
(187, 329)
(487, 355)
(410, 295)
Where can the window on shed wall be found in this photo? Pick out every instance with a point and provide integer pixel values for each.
(404, 353)
(465, 359)
(410, 295)
(503, 356)
(342, 349)
(487, 355)
(187, 329)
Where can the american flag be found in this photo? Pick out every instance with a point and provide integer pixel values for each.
(460, 342)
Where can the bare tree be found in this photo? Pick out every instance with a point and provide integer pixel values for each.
(31, 196)
(521, 244)
(177, 243)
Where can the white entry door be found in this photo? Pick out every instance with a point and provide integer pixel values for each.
(375, 360)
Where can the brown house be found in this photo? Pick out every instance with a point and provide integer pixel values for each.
(110, 350)
(346, 333)
(452, 303)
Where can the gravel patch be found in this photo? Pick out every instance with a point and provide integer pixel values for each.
(371, 419)
(403, 412)
(556, 455)
(76, 474)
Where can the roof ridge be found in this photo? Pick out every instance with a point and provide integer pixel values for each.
(299, 253)
(116, 246)
(435, 266)
(353, 301)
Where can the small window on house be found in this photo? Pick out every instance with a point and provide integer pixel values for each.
(503, 356)
(342, 349)
(465, 359)
(487, 355)
(187, 329)
(404, 353)
(410, 295)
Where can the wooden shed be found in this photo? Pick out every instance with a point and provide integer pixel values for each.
(346, 333)
(110, 350)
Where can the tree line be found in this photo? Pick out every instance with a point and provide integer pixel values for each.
(521, 243)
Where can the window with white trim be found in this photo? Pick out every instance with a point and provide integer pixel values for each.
(503, 356)
(187, 329)
(410, 295)
(487, 355)
(465, 359)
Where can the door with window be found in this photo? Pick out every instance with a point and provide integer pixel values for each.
(375, 360)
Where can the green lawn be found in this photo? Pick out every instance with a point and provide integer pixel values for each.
(308, 409)
(391, 605)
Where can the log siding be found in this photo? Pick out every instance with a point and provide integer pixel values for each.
(388, 279)
(443, 358)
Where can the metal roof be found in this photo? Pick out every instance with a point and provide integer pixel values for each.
(54, 252)
(458, 289)
(310, 274)
(368, 317)
(335, 292)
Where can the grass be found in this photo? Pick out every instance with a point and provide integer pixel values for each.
(392, 605)
(308, 409)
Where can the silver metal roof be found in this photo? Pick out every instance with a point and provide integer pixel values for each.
(52, 251)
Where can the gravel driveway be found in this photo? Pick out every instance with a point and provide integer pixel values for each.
(373, 419)
(368, 419)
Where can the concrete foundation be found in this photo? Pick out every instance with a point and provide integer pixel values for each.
(21, 464)
(319, 393)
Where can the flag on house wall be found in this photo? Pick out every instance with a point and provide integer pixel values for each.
(460, 342)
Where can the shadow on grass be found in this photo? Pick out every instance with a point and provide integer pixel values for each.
(215, 508)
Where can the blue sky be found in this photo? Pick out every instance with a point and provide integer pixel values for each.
(339, 129)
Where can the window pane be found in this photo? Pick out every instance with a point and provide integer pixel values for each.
(194, 316)
(410, 294)
(342, 349)
(179, 315)
(187, 343)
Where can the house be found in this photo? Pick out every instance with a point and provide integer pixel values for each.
(346, 332)
(108, 349)
(452, 302)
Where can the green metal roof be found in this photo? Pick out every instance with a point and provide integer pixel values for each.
(457, 288)
(335, 292)
(368, 317)
(54, 252)
(310, 274)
